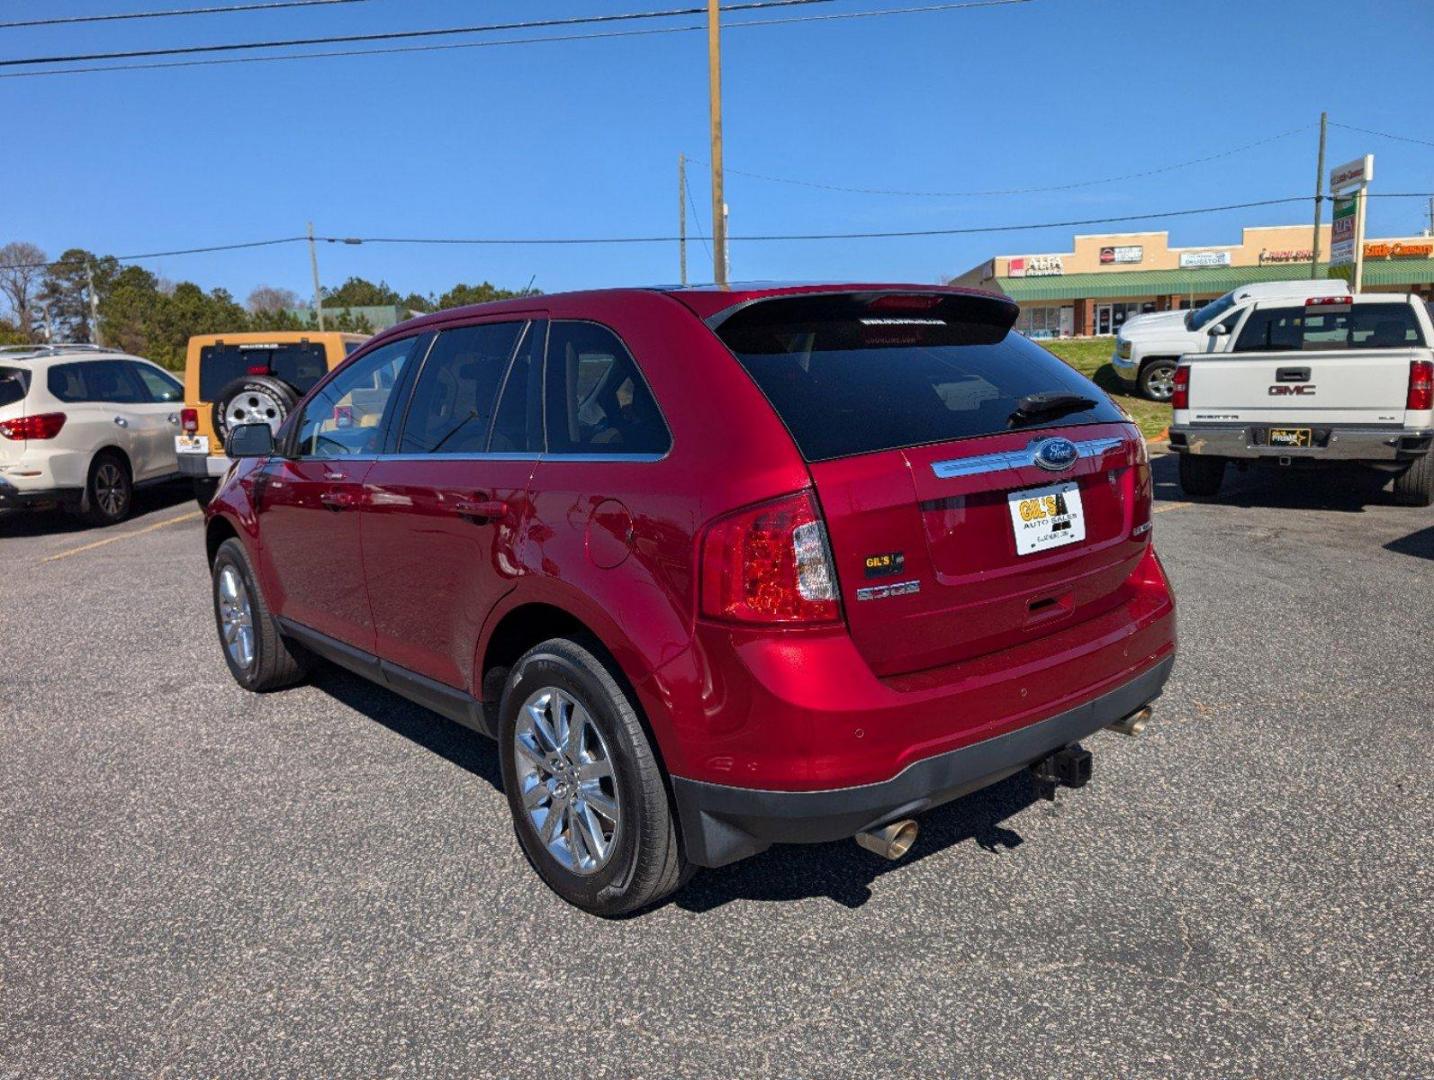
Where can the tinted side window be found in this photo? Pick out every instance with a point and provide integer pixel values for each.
(14, 385)
(96, 380)
(518, 423)
(158, 385)
(1364, 326)
(347, 414)
(457, 390)
(597, 400)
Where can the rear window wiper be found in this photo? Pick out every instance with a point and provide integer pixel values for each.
(1051, 403)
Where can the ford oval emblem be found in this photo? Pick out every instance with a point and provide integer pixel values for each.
(1056, 455)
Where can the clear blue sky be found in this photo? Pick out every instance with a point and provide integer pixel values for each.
(582, 138)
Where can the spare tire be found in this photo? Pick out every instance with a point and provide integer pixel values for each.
(254, 399)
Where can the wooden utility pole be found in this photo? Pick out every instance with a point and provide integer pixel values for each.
(314, 266)
(94, 304)
(714, 80)
(682, 214)
(1319, 194)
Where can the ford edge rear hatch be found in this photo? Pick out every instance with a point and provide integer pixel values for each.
(978, 492)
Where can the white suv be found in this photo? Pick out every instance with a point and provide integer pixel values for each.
(81, 426)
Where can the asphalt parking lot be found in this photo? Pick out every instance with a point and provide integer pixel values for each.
(198, 882)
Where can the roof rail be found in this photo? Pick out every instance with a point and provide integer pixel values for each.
(52, 348)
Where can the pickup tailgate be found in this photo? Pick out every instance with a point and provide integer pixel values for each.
(1336, 387)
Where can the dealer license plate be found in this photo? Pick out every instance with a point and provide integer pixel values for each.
(1290, 436)
(191, 444)
(1046, 518)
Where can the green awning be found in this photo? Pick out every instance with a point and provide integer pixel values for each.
(1209, 281)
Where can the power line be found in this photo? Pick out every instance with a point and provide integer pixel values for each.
(226, 9)
(1381, 134)
(695, 215)
(570, 241)
(401, 35)
(1015, 191)
(546, 39)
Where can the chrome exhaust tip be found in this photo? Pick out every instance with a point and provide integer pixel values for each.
(891, 841)
(1135, 723)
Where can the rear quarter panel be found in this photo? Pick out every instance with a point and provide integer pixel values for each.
(615, 542)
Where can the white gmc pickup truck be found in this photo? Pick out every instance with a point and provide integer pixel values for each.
(1332, 379)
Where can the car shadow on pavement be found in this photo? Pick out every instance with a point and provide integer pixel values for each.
(1419, 544)
(1343, 490)
(844, 872)
(451, 741)
(840, 870)
(56, 522)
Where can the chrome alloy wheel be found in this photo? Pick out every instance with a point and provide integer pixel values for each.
(236, 618)
(110, 490)
(253, 407)
(1161, 384)
(566, 780)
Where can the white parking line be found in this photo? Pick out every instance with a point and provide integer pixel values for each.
(125, 536)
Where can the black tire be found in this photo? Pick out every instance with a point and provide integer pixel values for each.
(204, 489)
(1157, 378)
(646, 862)
(1415, 485)
(258, 398)
(1201, 476)
(275, 663)
(109, 490)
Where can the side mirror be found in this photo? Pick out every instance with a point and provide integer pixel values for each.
(1218, 330)
(250, 441)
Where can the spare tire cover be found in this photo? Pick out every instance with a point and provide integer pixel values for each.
(254, 399)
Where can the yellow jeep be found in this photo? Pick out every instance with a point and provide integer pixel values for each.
(232, 379)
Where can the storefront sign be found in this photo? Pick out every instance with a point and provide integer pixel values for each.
(1399, 250)
(1354, 173)
(1121, 255)
(1293, 255)
(1035, 266)
(1190, 260)
(1341, 248)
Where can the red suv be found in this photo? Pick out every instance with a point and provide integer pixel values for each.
(717, 568)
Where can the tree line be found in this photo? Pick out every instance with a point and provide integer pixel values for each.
(142, 314)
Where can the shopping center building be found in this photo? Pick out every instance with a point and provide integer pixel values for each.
(1093, 288)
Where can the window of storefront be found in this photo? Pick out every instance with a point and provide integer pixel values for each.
(1111, 317)
(1046, 322)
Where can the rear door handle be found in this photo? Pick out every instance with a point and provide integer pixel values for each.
(481, 510)
(337, 500)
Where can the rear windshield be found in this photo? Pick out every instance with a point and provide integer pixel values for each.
(300, 364)
(14, 385)
(856, 373)
(1318, 329)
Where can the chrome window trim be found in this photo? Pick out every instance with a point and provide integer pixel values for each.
(591, 458)
(1014, 459)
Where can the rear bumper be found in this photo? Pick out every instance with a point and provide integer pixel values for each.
(1250, 442)
(200, 466)
(722, 824)
(15, 498)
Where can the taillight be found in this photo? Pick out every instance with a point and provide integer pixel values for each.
(41, 426)
(770, 564)
(189, 420)
(1421, 386)
(258, 369)
(1180, 399)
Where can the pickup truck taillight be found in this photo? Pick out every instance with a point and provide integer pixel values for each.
(1180, 399)
(770, 564)
(40, 426)
(1421, 386)
(189, 420)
